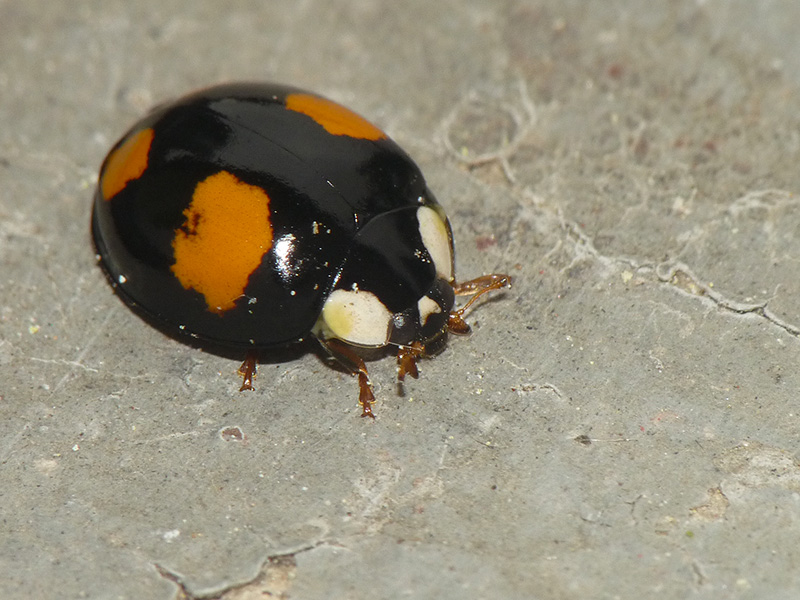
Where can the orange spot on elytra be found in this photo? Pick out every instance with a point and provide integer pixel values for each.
(223, 240)
(335, 118)
(127, 162)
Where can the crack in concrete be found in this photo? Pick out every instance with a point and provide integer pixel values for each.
(676, 274)
(680, 276)
(273, 584)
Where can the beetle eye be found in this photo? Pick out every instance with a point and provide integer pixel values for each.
(404, 328)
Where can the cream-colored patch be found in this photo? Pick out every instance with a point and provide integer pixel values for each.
(357, 317)
(427, 307)
(434, 234)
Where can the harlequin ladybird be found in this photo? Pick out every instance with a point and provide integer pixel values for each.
(256, 215)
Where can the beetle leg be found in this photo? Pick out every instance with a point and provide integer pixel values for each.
(407, 360)
(248, 370)
(484, 283)
(475, 288)
(355, 364)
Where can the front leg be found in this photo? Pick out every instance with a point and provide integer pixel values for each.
(351, 361)
(248, 370)
(407, 357)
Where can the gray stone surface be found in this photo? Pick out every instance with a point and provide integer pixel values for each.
(623, 423)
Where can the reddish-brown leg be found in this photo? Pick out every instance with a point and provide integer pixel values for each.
(475, 288)
(407, 360)
(481, 285)
(248, 370)
(355, 364)
(365, 396)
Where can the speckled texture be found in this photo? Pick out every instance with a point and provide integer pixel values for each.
(621, 424)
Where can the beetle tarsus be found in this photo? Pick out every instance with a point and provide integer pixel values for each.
(248, 371)
(365, 397)
(351, 361)
(407, 357)
(456, 324)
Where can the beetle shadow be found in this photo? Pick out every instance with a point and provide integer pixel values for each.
(289, 352)
(281, 354)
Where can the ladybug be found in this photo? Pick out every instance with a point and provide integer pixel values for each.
(257, 215)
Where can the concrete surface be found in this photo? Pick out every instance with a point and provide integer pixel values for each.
(622, 424)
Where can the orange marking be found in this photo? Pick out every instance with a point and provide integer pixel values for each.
(223, 240)
(127, 162)
(335, 118)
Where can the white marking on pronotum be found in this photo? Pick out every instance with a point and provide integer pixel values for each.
(356, 317)
(437, 241)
